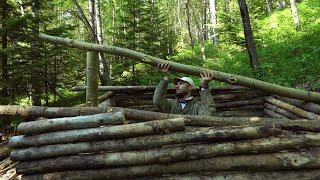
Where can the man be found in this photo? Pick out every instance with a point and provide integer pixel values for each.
(185, 103)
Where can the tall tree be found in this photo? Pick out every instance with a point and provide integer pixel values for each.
(4, 44)
(188, 19)
(267, 6)
(214, 22)
(254, 61)
(295, 16)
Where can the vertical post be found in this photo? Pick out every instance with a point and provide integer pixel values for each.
(92, 71)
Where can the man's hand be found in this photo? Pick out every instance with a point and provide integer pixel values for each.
(206, 77)
(164, 67)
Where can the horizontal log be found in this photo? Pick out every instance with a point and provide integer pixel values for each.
(201, 135)
(93, 134)
(240, 113)
(100, 99)
(308, 106)
(300, 112)
(281, 111)
(259, 100)
(78, 122)
(4, 150)
(47, 112)
(230, 175)
(168, 154)
(308, 159)
(273, 114)
(245, 107)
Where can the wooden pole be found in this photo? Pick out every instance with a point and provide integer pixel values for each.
(68, 123)
(192, 70)
(111, 132)
(92, 71)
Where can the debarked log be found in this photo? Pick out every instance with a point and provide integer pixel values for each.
(308, 159)
(245, 107)
(68, 123)
(300, 112)
(281, 111)
(202, 135)
(240, 113)
(168, 154)
(111, 132)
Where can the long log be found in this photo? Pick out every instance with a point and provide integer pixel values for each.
(78, 122)
(4, 150)
(308, 106)
(165, 155)
(111, 132)
(259, 100)
(273, 114)
(281, 111)
(300, 112)
(231, 175)
(245, 107)
(308, 159)
(201, 135)
(48, 112)
(240, 113)
(192, 70)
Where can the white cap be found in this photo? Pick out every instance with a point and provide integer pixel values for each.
(185, 79)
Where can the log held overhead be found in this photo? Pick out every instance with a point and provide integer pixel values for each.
(221, 76)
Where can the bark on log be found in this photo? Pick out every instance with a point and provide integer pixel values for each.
(273, 114)
(48, 112)
(192, 70)
(308, 159)
(259, 100)
(308, 106)
(300, 112)
(281, 111)
(202, 135)
(168, 154)
(239, 96)
(232, 175)
(246, 107)
(100, 98)
(78, 122)
(93, 134)
(4, 150)
(240, 113)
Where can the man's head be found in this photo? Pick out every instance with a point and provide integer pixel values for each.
(184, 86)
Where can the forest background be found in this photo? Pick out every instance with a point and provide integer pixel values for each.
(204, 33)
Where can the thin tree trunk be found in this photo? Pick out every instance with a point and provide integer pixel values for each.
(308, 106)
(180, 24)
(214, 22)
(267, 7)
(230, 78)
(260, 162)
(4, 43)
(281, 111)
(92, 71)
(35, 82)
(295, 16)
(188, 17)
(254, 60)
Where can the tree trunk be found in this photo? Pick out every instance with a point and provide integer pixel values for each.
(188, 17)
(259, 100)
(214, 22)
(108, 132)
(180, 24)
(4, 56)
(273, 114)
(92, 78)
(259, 162)
(35, 82)
(192, 70)
(300, 112)
(267, 7)
(79, 122)
(295, 16)
(281, 111)
(254, 61)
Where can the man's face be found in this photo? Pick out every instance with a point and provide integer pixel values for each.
(182, 88)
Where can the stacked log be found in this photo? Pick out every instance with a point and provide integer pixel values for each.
(282, 107)
(229, 101)
(172, 146)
